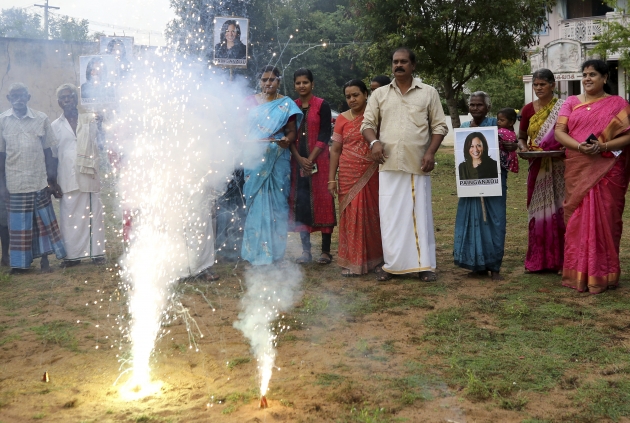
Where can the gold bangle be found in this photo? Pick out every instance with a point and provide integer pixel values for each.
(605, 147)
(579, 147)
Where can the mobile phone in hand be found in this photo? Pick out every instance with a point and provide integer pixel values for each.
(304, 173)
(592, 139)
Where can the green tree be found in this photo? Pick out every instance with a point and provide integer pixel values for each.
(455, 40)
(18, 23)
(318, 46)
(504, 84)
(96, 36)
(615, 38)
(63, 27)
(288, 34)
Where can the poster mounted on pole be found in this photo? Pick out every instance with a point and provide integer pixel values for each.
(477, 167)
(122, 50)
(231, 41)
(97, 79)
(118, 46)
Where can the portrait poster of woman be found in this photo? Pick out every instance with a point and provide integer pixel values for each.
(97, 79)
(122, 50)
(477, 162)
(230, 41)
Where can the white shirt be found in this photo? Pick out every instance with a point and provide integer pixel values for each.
(68, 177)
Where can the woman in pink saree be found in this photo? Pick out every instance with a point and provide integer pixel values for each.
(594, 128)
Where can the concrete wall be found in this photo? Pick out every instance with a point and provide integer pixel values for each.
(42, 65)
(449, 139)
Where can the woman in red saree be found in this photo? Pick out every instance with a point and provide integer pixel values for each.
(360, 247)
(594, 128)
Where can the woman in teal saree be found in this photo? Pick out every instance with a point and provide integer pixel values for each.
(272, 119)
(480, 224)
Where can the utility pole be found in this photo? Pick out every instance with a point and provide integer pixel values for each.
(46, 7)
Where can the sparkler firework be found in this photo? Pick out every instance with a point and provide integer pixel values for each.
(177, 151)
(270, 291)
(176, 134)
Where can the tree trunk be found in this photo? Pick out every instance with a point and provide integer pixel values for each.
(451, 102)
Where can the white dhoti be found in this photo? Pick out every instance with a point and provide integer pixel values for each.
(82, 225)
(406, 222)
(200, 237)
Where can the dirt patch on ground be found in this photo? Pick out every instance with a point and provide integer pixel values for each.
(359, 353)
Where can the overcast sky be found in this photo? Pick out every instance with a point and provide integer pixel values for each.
(147, 15)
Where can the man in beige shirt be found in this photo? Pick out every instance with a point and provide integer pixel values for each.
(409, 116)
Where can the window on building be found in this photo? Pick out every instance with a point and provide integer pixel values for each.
(544, 30)
(586, 8)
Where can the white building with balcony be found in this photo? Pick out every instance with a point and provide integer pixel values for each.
(569, 40)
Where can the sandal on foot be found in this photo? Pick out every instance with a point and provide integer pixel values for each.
(347, 273)
(428, 276)
(382, 275)
(325, 260)
(306, 257)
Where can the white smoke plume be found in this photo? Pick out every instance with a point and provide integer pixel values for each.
(270, 292)
(176, 133)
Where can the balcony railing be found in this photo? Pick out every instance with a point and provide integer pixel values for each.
(583, 30)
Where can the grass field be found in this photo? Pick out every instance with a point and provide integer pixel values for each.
(459, 350)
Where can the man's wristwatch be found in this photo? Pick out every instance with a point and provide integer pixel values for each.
(372, 143)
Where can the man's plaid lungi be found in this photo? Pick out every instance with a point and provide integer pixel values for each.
(33, 228)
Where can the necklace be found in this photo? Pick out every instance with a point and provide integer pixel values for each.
(353, 115)
(586, 100)
(266, 98)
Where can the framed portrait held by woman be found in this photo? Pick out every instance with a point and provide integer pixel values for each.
(477, 162)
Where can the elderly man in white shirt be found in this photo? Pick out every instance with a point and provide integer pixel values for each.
(81, 211)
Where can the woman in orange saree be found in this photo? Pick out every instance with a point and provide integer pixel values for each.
(360, 247)
(594, 129)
